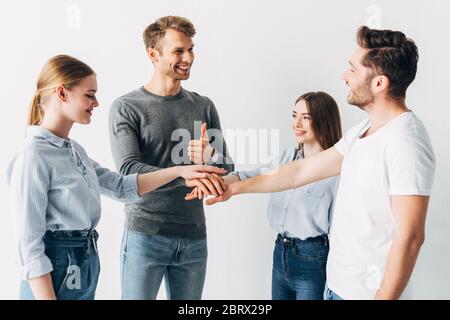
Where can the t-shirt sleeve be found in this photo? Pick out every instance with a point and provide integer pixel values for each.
(410, 165)
(340, 146)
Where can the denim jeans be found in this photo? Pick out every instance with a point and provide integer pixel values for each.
(76, 266)
(299, 268)
(147, 259)
(330, 295)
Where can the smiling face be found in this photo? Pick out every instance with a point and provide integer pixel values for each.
(301, 123)
(175, 55)
(359, 79)
(80, 101)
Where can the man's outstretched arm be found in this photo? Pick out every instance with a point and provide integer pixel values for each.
(292, 175)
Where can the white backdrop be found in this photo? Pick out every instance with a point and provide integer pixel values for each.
(253, 59)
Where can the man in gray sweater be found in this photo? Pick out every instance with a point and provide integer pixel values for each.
(157, 126)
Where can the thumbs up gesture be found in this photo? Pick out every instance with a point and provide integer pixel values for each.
(200, 150)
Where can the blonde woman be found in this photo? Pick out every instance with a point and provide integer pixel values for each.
(55, 187)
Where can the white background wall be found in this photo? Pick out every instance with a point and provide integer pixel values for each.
(253, 58)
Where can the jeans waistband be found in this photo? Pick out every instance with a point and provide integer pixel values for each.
(322, 239)
(71, 238)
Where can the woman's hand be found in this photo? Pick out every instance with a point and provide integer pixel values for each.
(198, 171)
(150, 181)
(199, 192)
(212, 184)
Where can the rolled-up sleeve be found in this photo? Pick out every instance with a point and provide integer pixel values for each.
(29, 179)
(117, 186)
(270, 164)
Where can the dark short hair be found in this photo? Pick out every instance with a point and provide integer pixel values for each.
(391, 54)
(325, 117)
(157, 30)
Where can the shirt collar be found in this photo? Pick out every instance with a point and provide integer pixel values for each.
(38, 131)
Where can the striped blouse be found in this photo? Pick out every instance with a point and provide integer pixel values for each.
(54, 185)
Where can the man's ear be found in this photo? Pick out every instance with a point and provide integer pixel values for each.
(153, 54)
(61, 93)
(381, 84)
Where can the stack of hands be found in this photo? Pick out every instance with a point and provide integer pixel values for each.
(201, 152)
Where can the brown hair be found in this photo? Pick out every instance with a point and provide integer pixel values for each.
(156, 31)
(325, 117)
(59, 70)
(390, 54)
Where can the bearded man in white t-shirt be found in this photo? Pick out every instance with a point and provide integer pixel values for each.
(387, 168)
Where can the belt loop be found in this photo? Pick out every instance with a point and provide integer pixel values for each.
(91, 238)
(94, 243)
(325, 238)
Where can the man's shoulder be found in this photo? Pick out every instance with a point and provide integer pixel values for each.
(129, 98)
(197, 98)
(409, 129)
(410, 123)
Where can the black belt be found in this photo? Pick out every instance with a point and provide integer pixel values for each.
(291, 241)
(71, 238)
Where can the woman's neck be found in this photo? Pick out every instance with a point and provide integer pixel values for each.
(310, 149)
(56, 125)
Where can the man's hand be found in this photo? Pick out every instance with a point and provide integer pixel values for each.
(212, 184)
(197, 193)
(223, 197)
(200, 151)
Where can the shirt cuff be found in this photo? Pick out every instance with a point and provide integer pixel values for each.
(37, 268)
(130, 188)
(241, 175)
(217, 158)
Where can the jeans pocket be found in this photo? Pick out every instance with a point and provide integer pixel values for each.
(307, 252)
(72, 272)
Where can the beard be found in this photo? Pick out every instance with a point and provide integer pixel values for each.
(172, 73)
(361, 96)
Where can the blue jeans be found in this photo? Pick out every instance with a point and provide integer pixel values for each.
(330, 295)
(147, 259)
(76, 265)
(299, 268)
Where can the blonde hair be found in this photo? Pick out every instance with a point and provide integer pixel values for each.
(59, 70)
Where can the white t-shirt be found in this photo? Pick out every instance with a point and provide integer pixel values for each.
(395, 160)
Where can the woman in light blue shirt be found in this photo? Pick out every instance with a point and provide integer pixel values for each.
(55, 187)
(301, 216)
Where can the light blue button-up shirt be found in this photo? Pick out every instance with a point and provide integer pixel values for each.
(302, 212)
(54, 185)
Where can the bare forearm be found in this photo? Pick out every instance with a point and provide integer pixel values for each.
(42, 287)
(399, 267)
(231, 178)
(150, 181)
(294, 174)
(284, 178)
